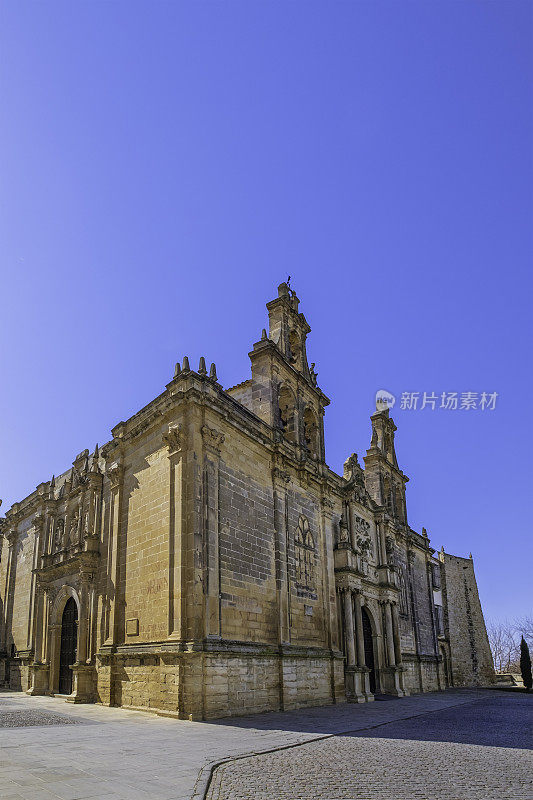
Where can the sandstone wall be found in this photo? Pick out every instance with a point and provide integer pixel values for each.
(471, 660)
(144, 546)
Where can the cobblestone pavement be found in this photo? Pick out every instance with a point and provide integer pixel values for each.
(479, 751)
(24, 718)
(128, 755)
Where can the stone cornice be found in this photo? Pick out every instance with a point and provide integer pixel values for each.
(82, 562)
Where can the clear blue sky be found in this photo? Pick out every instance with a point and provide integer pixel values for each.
(164, 165)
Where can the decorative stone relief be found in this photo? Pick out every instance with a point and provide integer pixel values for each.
(281, 475)
(402, 586)
(59, 530)
(363, 538)
(73, 527)
(344, 534)
(212, 438)
(38, 522)
(304, 558)
(173, 437)
(114, 474)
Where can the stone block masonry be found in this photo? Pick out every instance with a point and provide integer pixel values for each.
(206, 561)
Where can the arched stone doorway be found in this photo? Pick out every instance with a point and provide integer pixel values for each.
(368, 639)
(68, 646)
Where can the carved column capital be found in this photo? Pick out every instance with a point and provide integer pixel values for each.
(173, 437)
(212, 438)
(86, 576)
(281, 475)
(38, 522)
(11, 534)
(114, 473)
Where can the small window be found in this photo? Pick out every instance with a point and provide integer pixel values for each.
(295, 348)
(439, 620)
(311, 433)
(287, 413)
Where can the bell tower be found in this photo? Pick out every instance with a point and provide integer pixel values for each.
(384, 480)
(288, 329)
(284, 390)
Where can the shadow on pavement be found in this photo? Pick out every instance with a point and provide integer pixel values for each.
(495, 721)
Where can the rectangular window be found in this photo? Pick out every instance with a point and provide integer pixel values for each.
(435, 575)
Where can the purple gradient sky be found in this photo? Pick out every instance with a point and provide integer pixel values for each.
(165, 165)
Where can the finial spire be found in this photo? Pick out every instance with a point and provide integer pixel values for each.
(177, 370)
(213, 372)
(96, 454)
(201, 367)
(186, 367)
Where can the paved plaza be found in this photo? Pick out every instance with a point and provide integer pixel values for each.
(457, 745)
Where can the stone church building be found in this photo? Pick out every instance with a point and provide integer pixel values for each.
(206, 561)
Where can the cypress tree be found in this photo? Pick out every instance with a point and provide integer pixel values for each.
(525, 664)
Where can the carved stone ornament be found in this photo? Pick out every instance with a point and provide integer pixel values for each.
(327, 503)
(389, 544)
(351, 464)
(281, 475)
(362, 526)
(344, 535)
(173, 437)
(364, 544)
(304, 558)
(59, 529)
(38, 522)
(212, 438)
(114, 474)
(74, 523)
(11, 535)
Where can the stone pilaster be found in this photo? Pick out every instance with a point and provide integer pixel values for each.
(213, 441)
(329, 592)
(349, 629)
(398, 648)
(173, 439)
(39, 671)
(115, 474)
(359, 630)
(280, 480)
(83, 620)
(5, 642)
(391, 657)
